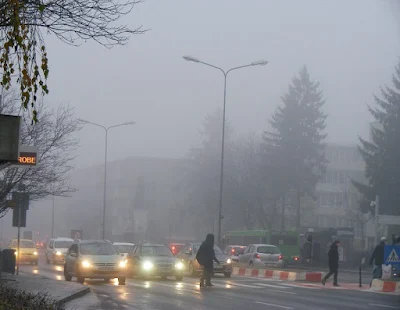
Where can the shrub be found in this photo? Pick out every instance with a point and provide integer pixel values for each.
(12, 298)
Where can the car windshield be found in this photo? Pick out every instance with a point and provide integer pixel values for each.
(26, 244)
(62, 244)
(268, 250)
(155, 250)
(124, 248)
(98, 248)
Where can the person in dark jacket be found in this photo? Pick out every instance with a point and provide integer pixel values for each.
(377, 258)
(205, 256)
(333, 256)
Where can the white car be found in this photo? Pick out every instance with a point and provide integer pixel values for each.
(124, 247)
(262, 255)
(56, 250)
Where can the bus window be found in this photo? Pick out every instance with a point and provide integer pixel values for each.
(284, 240)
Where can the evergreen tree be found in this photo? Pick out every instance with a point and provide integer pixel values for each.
(295, 148)
(382, 153)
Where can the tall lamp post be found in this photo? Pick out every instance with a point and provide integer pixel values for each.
(106, 129)
(225, 73)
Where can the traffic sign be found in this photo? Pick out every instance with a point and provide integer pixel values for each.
(392, 254)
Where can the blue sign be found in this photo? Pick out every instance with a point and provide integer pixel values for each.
(392, 254)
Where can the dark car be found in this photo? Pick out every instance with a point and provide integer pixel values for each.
(176, 247)
(148, 260)
(188, 256)
(233, 251)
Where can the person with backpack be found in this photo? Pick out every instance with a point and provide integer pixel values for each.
(205, 256)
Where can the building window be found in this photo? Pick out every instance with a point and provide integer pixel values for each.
(341, 178)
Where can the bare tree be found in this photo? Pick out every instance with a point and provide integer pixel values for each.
(54, 138)
(23, 52)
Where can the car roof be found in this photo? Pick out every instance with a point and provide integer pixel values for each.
(152, 244)
(237, 246)
(62, 239)
(263, 244)
(93, 241)
(123, 243)
(16, 240)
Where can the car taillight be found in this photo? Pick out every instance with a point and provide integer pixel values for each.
(257, 255)
(280, 257)
(296, 258)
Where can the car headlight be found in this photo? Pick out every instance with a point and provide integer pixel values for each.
(35, 253)
(58, 253)
(16, 252)
(147, 265)
(122, 264)
(179, 265)
(86, 264)
(228, 261)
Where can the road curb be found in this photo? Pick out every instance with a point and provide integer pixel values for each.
(386, 286)
(79, 293)
(278, 274)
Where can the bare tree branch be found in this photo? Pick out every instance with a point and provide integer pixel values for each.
(23, 52)
(54, 138)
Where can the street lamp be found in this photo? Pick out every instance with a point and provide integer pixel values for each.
(225, 73)
(106, 129)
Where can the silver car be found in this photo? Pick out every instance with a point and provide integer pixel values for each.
(262, 255)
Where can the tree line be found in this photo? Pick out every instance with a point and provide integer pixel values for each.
(270, 178)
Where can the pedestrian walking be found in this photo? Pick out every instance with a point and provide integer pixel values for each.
(333, 256)
(205, 256)
(377, 259)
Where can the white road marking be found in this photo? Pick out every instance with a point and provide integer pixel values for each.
(271, 285)
(286, 292)
(272, 305)
(383, 306)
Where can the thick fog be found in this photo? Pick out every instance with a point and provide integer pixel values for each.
(350, 47)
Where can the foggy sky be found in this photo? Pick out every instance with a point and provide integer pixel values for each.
(351, 47)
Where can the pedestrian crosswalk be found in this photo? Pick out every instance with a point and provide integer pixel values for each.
(194, 286)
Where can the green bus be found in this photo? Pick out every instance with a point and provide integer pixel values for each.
(286, 241)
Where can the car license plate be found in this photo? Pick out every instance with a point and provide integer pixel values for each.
(106, 268)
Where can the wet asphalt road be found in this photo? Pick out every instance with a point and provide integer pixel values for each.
(234, 293)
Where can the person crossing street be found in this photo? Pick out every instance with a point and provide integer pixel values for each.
(333, 256)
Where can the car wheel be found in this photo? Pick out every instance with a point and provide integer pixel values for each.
(227, 274)
(251, 263)
(121, 280)
(192, 270)
(67, 276)
(179, 278)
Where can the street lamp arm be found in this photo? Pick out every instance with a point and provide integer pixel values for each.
(212, 66)
(94, 124)
(119, 125)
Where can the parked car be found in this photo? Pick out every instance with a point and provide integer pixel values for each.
(188, 256)
(149, 260)
(27, 251)
(124, 248)
(262, 255)
(96, 259)
(233, 251)
(57, 249)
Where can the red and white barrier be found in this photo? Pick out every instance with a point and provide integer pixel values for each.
(278, 274)
(387, 286)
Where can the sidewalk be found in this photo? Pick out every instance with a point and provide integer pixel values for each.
(59, 291)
